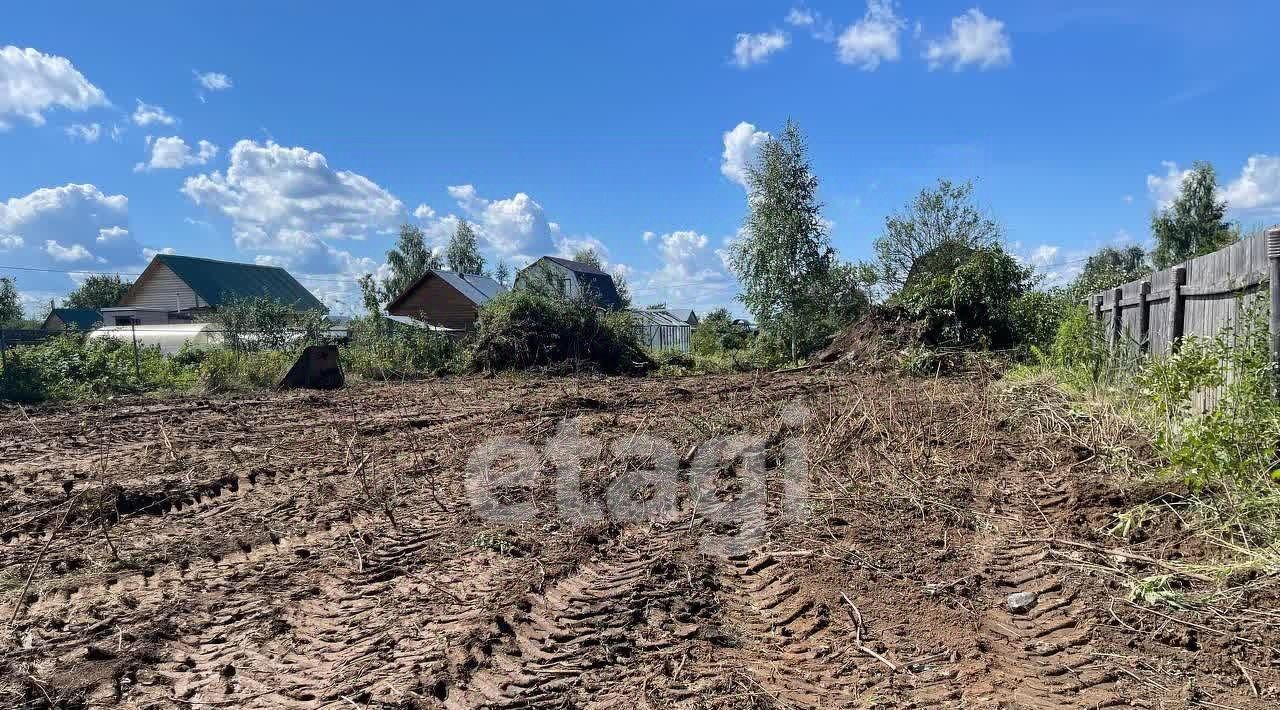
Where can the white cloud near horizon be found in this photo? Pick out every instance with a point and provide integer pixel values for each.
(32, 83)
(872, 39)
(975, 40)
(751, 49)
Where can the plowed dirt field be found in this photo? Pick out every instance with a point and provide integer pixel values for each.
(341, 550)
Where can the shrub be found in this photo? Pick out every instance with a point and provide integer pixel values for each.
(228, 370)
(716, 334)
(522, 329)
(1233, 444)
(380, 352)
(972, 304)
(261, 323)
(71, 366)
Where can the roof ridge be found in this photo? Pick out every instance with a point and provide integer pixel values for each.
(166, 257)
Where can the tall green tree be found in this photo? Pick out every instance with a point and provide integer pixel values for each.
(1109, 267)
(938, 229)
(1195, 223)
(409, 260)
(98, 291)
(502, 273)
(10, 303)
(463, 255)
(784, 256)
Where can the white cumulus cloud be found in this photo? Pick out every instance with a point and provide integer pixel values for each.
(10, 241)
(423, 212)
(873, 39)
(975, 40)
(32, 83)
(147, 114)
(690, 274)
(271, 192)
(74, 252)
(750, 49)
(56, 225)
(171, 153)
(1257, 187)
(740, 145)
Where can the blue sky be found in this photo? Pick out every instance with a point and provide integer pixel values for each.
(259, 131)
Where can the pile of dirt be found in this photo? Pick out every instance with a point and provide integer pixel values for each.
(877, 340)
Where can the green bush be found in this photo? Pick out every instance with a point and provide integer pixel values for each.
(716, 334)
(71, 367)
(523, 329)
(972, 304)
(378, 351)
(225, 370)
(1233, 445)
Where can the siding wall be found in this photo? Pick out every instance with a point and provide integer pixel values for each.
(159, 287)
(438, 303)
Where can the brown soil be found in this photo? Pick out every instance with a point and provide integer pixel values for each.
(318, 550)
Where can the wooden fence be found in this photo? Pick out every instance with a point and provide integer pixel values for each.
(1198, 297)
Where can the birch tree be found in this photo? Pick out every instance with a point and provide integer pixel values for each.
(784, 256)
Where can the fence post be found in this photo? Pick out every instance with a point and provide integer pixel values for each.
(1116, 295)
(1176, 307)
(1273, 262)
(1144, 318)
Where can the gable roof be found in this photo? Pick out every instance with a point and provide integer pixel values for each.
(476, 287)
(78, 318)
(576, 266)
(217, 282)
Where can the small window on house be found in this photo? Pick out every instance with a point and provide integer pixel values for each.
(125, 320)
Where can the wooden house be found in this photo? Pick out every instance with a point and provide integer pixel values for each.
(444, 299)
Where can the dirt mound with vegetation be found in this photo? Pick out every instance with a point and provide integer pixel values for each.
(876, 339)
(324, 550)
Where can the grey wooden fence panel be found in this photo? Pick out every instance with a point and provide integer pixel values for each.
(1214, 284)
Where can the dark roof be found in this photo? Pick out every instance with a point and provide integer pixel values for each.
(593, 280)
(577, 266)
(78, 318)
(217, 282)
(477, 288)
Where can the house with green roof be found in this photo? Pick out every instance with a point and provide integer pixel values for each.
(178, 289)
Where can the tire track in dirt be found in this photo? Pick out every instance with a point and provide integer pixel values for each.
(561, 647)
(1039, 657)
(381, 632)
